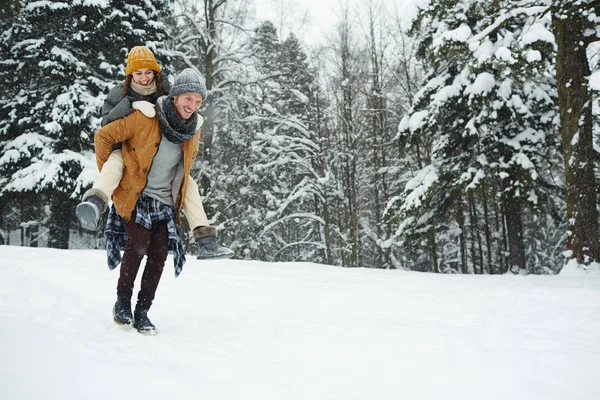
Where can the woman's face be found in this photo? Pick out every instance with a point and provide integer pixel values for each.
(187, 103)
(143, 76)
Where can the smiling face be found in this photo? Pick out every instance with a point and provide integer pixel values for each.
(143, 76)
(187, 103)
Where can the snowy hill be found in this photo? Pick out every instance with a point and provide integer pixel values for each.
(252, 330)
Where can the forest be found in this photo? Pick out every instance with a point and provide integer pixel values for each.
(465, 141)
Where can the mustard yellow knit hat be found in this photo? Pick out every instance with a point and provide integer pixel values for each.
(141, 57)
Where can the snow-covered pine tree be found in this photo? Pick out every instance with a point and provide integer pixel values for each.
(13, 211)
(62, 58)
(267, 123)
(292, 149)
(404, 75)
(311, 141)
(253, 184)
(486, 114)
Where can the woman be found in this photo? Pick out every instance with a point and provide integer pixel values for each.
(142, 87)
(143, 82)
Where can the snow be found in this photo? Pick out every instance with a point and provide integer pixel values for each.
(484, 83)
(460, 34)
(253, 330)
(573, 269)
(482, 51)
(96, 3)
(536, 29)
(417, 187)
(417, 120)
(525, 163)
(505, 88)
(300, 96)
(595, 80)
(53, 5)
(449, 91)
(533, 56)
(538, 33)
(504, 54)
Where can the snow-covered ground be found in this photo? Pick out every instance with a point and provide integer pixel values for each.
(253, 330)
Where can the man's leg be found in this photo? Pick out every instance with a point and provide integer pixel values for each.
(138, 242)
(157, 254)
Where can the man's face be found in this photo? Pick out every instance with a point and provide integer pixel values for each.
(187, 103)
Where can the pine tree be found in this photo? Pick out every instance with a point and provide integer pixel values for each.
(487, 107)
(292, 149)
(57, 73)
(574, 26)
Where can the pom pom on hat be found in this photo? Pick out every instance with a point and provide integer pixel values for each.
(189, 81)
(141, 57)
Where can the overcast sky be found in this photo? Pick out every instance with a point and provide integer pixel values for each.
(312, 20)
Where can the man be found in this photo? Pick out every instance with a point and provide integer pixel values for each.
(144, 220)
(142, 87)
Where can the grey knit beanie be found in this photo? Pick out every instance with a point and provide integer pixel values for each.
(189, 81)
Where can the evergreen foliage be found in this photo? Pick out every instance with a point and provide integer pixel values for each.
(443, 151)
(57, 73)
(484, 126)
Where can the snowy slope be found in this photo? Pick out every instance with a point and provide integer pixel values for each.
(253, 330)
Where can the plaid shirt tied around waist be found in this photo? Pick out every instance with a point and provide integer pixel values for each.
(147, 210)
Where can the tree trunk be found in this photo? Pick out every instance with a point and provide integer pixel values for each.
(379, 134)
(327, 233)
(472, 226)
(488, 241)
(61, 208)
(349, 145)
(500, 231)
(575, 107)
(460, 218)
(322, 207)
(514, 231)
(434, 257)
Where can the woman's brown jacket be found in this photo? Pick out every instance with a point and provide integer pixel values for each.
(141, 137)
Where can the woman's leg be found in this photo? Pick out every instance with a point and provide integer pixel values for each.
(111, 174)
(192, 206)
(95, 200)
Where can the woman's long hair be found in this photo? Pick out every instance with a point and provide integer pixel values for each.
(160, 86)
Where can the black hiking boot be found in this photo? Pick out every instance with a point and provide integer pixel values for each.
(143, 324)
(89, 211)
(122, 311)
